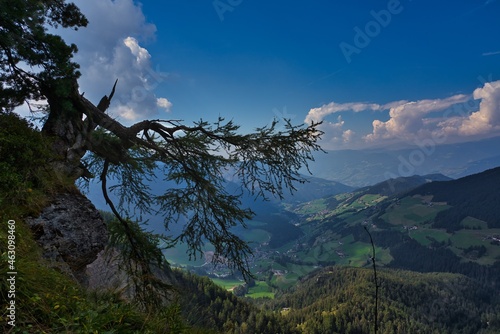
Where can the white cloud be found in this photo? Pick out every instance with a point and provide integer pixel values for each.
(336, 135)
(457, 118)
(142, 55)
(347, 136)
(109, 49)
(126, 112)
(164, 103)
(407, 120)
(318, 114)
(110, 21)
(485, 121)
(493, 53)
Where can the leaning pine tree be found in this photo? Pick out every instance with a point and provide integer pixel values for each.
(89, 144)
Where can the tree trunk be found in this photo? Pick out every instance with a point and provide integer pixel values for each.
(65, 127)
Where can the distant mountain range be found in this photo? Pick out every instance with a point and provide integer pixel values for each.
(315, 188)
(359, 168)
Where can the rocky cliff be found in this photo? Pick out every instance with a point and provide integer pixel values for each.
(74, 236)
(71, 233)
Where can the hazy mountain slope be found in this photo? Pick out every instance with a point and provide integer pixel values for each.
(478, 166)
(316, 188)
(360, 168)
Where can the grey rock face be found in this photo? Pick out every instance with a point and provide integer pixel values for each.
(108, 273)
(71, 233)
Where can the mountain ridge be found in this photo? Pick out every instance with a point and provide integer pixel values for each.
(359, 168)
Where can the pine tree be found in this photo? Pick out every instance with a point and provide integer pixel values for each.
(91, 145)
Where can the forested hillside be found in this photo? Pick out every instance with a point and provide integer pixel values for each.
(342, 300)
(399, 185)
(476, 195)
(207, 307)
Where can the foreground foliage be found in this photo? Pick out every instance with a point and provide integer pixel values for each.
(47, 301)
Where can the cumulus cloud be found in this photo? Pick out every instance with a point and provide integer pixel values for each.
(109, 49)
(142, 55)
(453, 119)
(164, 103)
(485, 121)
(408, 120)
(347, 136)
(337, 136)
(318, 114)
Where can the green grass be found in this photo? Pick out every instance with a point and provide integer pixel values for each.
(411, 211)
(284, 282)
(312, 207)
(227, 284)
(354, 218)
(256, 236)
(473, 223)
(297, 270)
(178, 256)
(47, 300)
(425, 236)
(366, 201)
(369, 198)
(466, 238)
(260, 290)
(356, 253)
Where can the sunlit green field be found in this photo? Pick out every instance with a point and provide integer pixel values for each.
(227, 284)
(465, 238)
(260, 290)
(426, 236)
(473, 223)
(411, 211)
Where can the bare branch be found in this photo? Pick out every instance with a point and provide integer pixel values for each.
(106, 101)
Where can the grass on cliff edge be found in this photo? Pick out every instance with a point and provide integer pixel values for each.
(47, 300)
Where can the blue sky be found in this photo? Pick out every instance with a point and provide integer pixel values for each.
(377, 73)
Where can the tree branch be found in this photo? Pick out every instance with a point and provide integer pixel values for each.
(195, 157)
